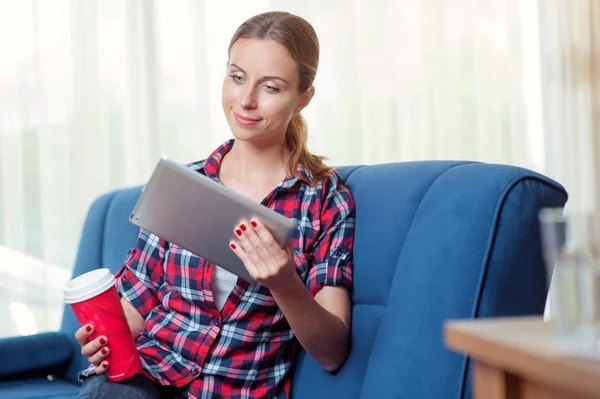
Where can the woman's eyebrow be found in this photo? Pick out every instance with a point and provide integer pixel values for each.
(236, 66)
(264, 77)
(275, 78)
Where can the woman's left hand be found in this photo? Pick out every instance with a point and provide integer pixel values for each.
(266, 262)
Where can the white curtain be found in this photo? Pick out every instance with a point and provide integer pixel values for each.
(570, 65)
(92, 92)
(570, 53)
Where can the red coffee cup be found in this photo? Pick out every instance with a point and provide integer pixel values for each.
(94, 299)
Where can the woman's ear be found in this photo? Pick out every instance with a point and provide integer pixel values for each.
(305, 99)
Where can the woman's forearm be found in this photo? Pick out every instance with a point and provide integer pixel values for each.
(134, 318)
(321, 333)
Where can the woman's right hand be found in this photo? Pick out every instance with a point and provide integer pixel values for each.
(95, 350)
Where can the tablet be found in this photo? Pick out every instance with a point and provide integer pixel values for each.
(195, 212)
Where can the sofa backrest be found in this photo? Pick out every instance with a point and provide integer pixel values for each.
(434, 240)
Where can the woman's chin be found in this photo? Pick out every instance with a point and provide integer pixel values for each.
(246, 134)
(255, 135)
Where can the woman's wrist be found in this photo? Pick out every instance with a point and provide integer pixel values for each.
(286, 286)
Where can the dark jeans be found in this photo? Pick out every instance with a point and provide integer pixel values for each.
(136, 387)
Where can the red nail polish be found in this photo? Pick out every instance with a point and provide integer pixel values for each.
(253, 223)
(104, 351)
(88, 329)
(232, 246)
(102, 341)
(243, 226)
(104, 364)
(238, 232)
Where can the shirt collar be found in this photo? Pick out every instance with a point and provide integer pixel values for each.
(211, 165)
(303, 174)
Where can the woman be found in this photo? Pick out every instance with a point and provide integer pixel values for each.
(200, 331)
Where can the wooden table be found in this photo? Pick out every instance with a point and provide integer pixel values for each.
(517, 358)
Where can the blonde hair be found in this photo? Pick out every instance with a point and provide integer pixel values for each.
(300, 39)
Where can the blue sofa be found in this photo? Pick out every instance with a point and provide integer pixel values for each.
(435, 240)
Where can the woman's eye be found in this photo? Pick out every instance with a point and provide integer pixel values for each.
(237, 79)
(272, 89)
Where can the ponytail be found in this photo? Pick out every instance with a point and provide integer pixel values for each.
(296, 138)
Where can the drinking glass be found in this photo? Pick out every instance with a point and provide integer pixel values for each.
(571, 249)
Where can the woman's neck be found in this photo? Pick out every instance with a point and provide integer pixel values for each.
(256, 161)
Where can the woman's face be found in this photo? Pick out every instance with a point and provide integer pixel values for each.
(260, 91)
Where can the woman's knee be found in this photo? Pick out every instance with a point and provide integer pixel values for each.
(136, 387)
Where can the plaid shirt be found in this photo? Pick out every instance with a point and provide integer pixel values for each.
(246, 350)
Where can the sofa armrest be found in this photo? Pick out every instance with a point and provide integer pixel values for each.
(34, 355)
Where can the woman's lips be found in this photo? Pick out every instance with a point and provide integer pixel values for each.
(243, 120)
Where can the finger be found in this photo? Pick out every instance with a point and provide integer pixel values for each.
(82, 335)
(101, 368)
(244, 243)
(265, 236)
(239, 251)
(289, 249)
(253, 245)
(276, 255)
(93, 346)
(99, 356)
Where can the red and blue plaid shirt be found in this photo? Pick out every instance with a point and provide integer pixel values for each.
(246, 350)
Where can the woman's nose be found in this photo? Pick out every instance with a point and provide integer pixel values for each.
(248, 98)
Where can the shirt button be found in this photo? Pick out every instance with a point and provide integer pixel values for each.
(217, 322)
(196, 371)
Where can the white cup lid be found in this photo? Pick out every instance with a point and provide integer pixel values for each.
(88, 285)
